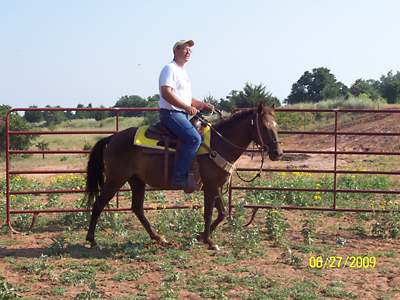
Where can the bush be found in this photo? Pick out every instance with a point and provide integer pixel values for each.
(17, 123)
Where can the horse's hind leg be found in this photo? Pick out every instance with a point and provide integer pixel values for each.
(106, 195)
(138, 189)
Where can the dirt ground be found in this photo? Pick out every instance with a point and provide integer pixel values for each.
(368, 283)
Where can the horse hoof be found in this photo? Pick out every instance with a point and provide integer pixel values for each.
(164, 242)
(215, 248)
(95, 247)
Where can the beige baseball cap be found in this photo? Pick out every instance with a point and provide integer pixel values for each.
(181, 42)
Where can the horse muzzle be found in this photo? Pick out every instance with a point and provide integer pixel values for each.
(275, 154)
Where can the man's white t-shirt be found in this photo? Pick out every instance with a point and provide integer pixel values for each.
(175, 77)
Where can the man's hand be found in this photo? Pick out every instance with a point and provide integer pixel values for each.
(208, 107)
(191, 110)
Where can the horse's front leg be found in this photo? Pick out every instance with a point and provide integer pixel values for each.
(138, 190)
(211, 196)
(219, 205)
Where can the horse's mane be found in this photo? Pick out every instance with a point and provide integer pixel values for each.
(238, 116)
(234, 119)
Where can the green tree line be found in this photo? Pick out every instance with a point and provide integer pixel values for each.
(315, 86)
(321, 84)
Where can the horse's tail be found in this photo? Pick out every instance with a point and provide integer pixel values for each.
(95, 169)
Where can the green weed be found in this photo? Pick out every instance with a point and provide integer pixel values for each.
(387, 225)
(277, 226)
(242, 240)
(89, 294)
(335, 289)
(39, 267)
(69, 277)
(6, 290)
(290, 257)
(130, 275)
(309, 231)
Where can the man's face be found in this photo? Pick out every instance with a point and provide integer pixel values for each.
(183, 52)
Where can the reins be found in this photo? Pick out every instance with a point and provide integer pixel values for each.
(205, 122)
(214, 154)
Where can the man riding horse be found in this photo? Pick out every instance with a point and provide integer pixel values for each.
(115, 160)
(176, 104)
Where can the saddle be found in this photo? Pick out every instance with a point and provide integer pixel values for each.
(159, 131)
(166, 138)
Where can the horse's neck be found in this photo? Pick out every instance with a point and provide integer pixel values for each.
(238, 134)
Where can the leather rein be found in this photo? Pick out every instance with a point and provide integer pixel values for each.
(262, 146)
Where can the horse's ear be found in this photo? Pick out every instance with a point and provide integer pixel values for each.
(273, 106)
(260, 108)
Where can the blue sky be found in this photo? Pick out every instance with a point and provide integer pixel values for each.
(95, 51)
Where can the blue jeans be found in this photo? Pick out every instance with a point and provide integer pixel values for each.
(178, 123)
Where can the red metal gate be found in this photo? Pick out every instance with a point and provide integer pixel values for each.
(335, 133)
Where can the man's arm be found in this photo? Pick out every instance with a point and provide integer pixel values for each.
(201, 105)
(166, 93)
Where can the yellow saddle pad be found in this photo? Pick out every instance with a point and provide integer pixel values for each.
(141, 140)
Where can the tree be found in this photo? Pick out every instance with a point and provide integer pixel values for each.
(17, 123)
(152, 101)
(33, 116)
(81, 114)
(251, 96)
(131, 101)
(151, 117)
(55, 117)
(316, 86)
(210, 99)
(226, 105)
(369, 87)
(390, 87)
(100, 114)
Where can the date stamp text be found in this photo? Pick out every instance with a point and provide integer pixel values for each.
(331, 262)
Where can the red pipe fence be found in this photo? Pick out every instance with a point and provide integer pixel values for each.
(334, 134)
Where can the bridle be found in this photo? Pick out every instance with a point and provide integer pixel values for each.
(262, 146)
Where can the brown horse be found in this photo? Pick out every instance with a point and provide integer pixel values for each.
(122, 161)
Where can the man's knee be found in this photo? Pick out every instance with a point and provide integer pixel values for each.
(196, 140)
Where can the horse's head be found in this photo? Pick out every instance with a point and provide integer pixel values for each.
(265, 131)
